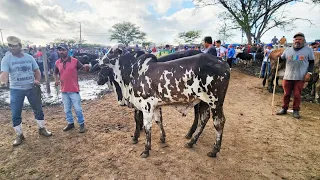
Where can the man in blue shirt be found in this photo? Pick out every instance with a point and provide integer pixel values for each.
(24, 75)
(231, 55)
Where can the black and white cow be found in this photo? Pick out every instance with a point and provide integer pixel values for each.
(148, 85)
(199, 109)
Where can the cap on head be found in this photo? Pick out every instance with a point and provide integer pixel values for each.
(13, 40)
(270, 45)
(63, 46)
(298, 34)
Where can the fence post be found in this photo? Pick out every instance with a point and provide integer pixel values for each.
(45, 65)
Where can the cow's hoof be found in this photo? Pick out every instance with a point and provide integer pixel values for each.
(144, 154)
(162, 139)
(212, 154)
(188, 145)
(188, 136)
(270, 89)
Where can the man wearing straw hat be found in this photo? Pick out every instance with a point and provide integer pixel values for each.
(299, 67)
(24, 76)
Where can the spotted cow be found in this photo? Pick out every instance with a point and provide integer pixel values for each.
(185, 82)
(200, 109)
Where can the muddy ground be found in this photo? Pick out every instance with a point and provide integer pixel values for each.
(256, 144)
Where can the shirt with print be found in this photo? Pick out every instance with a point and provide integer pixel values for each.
(297, 62)
(220, 50)
(20, 69)
(268, 51)
(164, 52)
(68, 71)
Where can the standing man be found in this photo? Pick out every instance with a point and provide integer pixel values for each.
(266, 62)
(67, 68)
(231, 55)
(24, 75)
(164, 52)
(220, 49)
(53, 57)
(274, 41)
(209, 48)
(299, 67)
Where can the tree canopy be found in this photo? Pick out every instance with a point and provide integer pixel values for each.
(126, 33)
(255, 17)
(190, 36)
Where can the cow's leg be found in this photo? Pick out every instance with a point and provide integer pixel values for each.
(138, 117)
(270, 81)
(147, 122)
(158, 119)
(204, 113)
(195, 122)
(218, 121)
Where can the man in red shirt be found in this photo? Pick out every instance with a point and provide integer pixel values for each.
(67, 68)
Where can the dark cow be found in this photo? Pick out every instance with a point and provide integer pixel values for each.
(244, 56)
(184, 82)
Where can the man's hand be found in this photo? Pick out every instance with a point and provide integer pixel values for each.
(36, 82)
(307, 77)
(86, 67)
(56, 83)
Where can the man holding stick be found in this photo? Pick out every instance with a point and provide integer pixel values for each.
(299, 67)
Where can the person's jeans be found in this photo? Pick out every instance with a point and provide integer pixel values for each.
(254, 56)
(16, 104)
(263, 68)
(41, 68)
(230, 61)
(288, 87)
(69, 99)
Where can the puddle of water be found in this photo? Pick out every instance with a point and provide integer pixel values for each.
(89, 89)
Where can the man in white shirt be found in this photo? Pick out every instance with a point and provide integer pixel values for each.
(220, 49)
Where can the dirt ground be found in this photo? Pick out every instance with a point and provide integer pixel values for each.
(256, 144)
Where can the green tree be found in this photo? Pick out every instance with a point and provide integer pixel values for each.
(26, 42)
(255, 17)
(126, 33)
(190, 36)
(146, 43)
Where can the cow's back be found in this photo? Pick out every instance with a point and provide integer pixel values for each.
(178, 55)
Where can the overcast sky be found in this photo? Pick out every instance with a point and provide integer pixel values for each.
(41, 21)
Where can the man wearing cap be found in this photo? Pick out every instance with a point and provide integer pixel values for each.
(267, 52)
(209, 48)
(67, 68)
(24, 75)
(299, 67)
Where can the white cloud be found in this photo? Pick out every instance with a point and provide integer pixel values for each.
(41, 21)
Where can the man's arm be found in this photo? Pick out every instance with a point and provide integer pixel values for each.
(37, 75)
(56, 76)
(5, 71)
(4, 78)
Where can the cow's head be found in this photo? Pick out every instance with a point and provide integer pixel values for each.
(113, 55)
(105, 75)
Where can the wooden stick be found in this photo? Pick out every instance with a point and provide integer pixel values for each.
(274, 86)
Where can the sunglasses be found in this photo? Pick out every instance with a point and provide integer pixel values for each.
(61, 49)
(13, 46)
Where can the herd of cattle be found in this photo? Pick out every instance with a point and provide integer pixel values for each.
(187, 79)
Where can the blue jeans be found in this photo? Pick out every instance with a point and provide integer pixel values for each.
(41, 68)
(263, 68)
(16, 103)
(69, 99)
